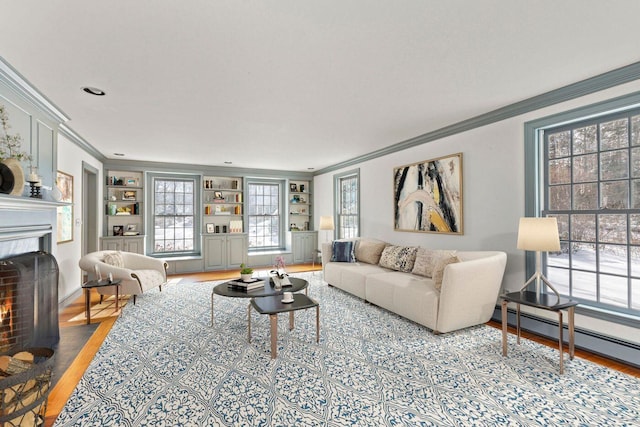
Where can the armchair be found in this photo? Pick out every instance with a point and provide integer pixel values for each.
(137, 272)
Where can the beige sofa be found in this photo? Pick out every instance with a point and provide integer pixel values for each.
(137, 272)
(444, 290)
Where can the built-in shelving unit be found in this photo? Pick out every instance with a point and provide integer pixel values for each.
(123, 209)
(223, 205)
(300, 212)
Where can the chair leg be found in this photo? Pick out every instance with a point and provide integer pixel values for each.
(134, 300)
(160, 287)
(101, 296)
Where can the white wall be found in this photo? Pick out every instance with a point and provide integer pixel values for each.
(70, 158)
(493, 194)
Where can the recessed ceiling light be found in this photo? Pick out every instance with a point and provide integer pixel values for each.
(119, 154)
(228, 162)
(310, 169)
(94, 91)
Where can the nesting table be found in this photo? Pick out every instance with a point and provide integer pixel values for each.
(546, 302)
(273, 305)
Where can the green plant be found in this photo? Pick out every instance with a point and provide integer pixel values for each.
(10, 144)
(245, 270)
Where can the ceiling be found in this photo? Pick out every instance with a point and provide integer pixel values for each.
(298, 84)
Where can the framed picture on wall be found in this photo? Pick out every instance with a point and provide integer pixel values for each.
(427, 196)
(64, 182)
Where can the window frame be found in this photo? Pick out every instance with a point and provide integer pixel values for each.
(150, 216)
(535, 183)
(282, 217)
(337, 194)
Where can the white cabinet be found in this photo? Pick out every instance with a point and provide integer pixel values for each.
(133, 244)
(303, 246)
(223, 252)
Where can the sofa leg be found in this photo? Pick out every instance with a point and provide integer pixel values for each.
(160, 287)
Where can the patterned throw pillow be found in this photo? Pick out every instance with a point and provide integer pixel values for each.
(343, 251)
(369, 251)
(438, 270)
(115, 259)
(400, 258)
(426, 260)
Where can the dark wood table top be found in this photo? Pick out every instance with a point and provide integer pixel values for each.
(226, 290)
(546, 301)
(274, 304)
(100, 283)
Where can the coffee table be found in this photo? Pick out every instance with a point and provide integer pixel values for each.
(225, 290)
(273, 305)
(98, 284)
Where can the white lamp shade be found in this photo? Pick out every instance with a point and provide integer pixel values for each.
(326, 223)
(538, 234)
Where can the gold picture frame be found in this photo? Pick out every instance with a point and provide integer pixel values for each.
(427, 196)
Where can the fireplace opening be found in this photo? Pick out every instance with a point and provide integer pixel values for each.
(28, 301)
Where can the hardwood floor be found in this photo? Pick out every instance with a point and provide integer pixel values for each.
(63, 389)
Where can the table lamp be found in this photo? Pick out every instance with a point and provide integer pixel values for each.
(326, 223)
(539, 234)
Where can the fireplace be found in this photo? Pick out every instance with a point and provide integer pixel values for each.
(28, 301)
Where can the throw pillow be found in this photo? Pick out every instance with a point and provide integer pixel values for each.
(426, 260)
(343, 251)
(438, 270)
(115, 259)
(369, 251)
(400, 258)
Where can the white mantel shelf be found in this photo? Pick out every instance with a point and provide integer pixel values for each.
(28, 203)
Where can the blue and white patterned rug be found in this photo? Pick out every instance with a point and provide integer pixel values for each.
(163, 365)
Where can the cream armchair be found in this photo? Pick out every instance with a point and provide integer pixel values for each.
(138, 273)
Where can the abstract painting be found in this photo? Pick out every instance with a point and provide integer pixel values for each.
(428, 196)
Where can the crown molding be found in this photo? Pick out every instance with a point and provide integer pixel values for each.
(588, 86)
(28, 92)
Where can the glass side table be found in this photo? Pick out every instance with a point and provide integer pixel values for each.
(545, 302)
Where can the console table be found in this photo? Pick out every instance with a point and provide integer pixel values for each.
(546, 302)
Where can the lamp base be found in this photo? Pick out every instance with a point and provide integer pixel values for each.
(539, 279)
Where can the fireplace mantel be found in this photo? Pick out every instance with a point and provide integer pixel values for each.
(28, 203)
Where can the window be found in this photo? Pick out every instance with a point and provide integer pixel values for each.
(174, 224)
(265, 222)
(592, 186)
(347, 191)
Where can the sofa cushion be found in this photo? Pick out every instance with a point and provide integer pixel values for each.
(426, 260)
(438, 270)
(400, 258)
(369, 251)
(115, 259)
(343, 251)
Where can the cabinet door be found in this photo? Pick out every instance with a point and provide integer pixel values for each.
(297, 247)
(309, 247)
(111, 244)
(215, 253)
(236, 250)
(135, 245)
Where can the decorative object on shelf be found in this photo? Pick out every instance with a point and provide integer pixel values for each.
(129, 195)
(11, 155)
(428, 196)
(293, 188)
(64, 182)
(302, 188)
(6, 179)
(245, 272)
(211, 228)
(131, 230)
(326, 224)
(118, 230)
(217, 195)
(539, 234)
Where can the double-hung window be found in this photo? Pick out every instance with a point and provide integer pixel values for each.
(592, 186)
(174, 201)
(347, 194)
(264, 207)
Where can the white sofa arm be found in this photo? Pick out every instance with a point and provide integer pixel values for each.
(469, 291)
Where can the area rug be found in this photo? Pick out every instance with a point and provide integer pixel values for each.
(163, 364)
